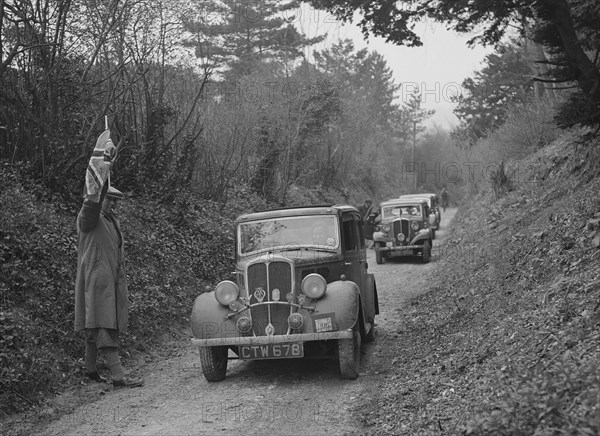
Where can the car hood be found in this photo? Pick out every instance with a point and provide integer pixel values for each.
(298, 256)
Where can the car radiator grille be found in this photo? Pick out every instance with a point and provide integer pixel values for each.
(275, 281)
(402, 226)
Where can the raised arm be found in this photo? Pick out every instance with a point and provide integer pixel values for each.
(89, 215)
(97, 180)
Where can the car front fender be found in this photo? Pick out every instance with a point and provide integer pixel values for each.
(423, 235)
(342, 298)
(209, 319)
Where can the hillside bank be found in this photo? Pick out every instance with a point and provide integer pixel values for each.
(507, 341)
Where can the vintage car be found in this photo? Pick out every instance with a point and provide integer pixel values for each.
(301, 289)
(403, 229)
(435, 214)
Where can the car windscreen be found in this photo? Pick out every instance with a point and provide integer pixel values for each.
(391, 212)
(318, 231)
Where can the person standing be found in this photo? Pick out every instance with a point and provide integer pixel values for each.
(444, 195)
(369, 214)
(364, 208)
(101, 294)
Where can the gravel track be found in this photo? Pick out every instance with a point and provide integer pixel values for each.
(290, 397)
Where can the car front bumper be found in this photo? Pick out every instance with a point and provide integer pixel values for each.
(279, 339)
(399, 249)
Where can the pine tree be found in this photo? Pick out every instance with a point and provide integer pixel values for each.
(246, 35)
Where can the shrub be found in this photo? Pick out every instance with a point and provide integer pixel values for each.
(173, 251)
(528, 127)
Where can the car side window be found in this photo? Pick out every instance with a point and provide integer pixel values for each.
(350, 230)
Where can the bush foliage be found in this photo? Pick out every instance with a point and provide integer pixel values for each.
(173, 251)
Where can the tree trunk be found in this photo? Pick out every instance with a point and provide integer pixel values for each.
(587, 73)
(542, 89)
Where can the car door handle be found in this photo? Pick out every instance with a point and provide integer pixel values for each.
(347, 263)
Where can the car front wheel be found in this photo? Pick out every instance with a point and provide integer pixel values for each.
(426, 252)
(378, 252)
(349, 355)
(214, 363)
(378, 256)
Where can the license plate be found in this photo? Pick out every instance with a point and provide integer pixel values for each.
(324, 322)
(323, 325)
(272, 351)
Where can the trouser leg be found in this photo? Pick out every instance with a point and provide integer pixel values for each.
(114, 363)
(91, 355)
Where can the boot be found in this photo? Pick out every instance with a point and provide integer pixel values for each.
(127, 382)
(96, 377)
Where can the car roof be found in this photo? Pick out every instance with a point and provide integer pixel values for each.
(403, 201)
(427, 194)
(327, 209)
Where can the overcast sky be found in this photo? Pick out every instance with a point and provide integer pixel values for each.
(437, 68)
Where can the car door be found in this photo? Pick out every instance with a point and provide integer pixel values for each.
(355, 257)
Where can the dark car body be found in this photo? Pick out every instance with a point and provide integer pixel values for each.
(403, 229)
(278, 311)
(435, 217)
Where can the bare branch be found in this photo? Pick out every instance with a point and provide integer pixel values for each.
(543, 80)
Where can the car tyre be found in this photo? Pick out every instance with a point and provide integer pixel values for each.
(349, 354)
(426, 252)
(214, 363)
(378, 256)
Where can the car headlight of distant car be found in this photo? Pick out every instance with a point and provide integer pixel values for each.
(227, 292)
(414, 225)
(314, 286)
(400, 237)
(386, 228)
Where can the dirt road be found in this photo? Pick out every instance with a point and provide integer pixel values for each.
(262, 397)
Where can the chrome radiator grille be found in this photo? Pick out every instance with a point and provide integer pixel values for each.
(267, 283)
(402, 226)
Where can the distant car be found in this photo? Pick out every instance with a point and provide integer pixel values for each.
(403, 229)
(435, 217)
(302, 288)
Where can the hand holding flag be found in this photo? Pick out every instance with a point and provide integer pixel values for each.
(98, 170)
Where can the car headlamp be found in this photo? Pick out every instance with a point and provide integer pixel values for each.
(386, 228)
(414, 225)
(314, 286)
(400, 237)
(227, 292)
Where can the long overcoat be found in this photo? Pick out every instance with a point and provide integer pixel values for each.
(101, 285)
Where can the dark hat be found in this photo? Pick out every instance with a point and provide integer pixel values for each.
(114, 193)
